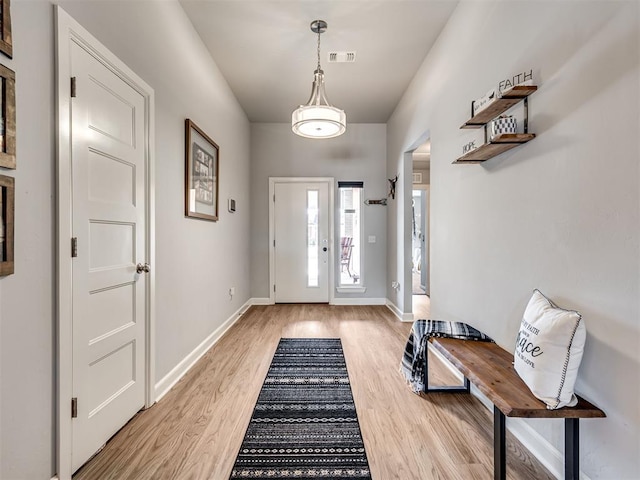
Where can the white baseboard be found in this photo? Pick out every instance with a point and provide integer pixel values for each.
(358, 301)
(260, 301)
(545, 452)
(404, 317)
(170, 379)
(539, 447)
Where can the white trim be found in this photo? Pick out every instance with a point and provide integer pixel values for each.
(64, 268)
(67, 30)
(404, 192)
(545, 452)
(538, 446)
(150, 339)
(358, 301)
(351, 289)
(261, 301)
(403, 317)
(331, 191)
(171, 378)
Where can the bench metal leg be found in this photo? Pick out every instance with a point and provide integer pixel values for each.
(464, 388)
(499, 445)
(571, 449)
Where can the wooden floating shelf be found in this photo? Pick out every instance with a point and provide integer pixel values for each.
(498, 144)
(508, 99)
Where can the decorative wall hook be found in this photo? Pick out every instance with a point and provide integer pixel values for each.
(392, 187)
(382, 201)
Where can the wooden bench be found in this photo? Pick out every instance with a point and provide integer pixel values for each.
(490, 368)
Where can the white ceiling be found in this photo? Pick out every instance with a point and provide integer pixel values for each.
(267, 52)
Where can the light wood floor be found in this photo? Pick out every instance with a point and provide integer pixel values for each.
(196, 430)
(421, 307)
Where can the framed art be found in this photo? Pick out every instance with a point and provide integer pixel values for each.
(7, 117)
(202, 158)
(6, 44)
(7, 195)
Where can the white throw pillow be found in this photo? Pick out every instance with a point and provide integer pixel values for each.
(549, 350)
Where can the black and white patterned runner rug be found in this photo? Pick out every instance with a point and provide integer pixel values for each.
(304, 425)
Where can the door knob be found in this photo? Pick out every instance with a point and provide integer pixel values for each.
(324, 249)
(143, 267)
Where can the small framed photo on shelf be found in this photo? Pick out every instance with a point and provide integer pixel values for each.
(7, 118)
(6, 44)
(7, 195)
(202, 158)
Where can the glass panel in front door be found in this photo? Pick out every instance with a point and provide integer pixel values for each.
(313, 244)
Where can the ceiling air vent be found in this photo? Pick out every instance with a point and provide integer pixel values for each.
(342, 57)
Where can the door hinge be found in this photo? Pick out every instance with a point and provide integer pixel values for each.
(274, 242)
(274, 198)
(74, 407)
(73, 87)
(274, 287)
(74, 247)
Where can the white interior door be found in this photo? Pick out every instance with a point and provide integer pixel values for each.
(108, 152)
(301, 242)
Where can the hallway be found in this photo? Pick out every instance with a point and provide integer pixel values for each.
(195, 431)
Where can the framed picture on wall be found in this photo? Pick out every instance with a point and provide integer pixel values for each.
(6, 44)
(7, 195)
(7, 117)
(202, 158)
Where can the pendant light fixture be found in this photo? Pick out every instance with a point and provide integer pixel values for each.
(318, 119)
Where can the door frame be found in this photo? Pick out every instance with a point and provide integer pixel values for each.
(68, 30)
(403, 228)
(330, 181)
(426, 221)
(426, 188)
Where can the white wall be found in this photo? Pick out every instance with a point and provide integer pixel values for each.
(196, 261)
(561, 213)
(359, 154)
(27, 301)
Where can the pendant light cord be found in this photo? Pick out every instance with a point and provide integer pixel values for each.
(319, 50)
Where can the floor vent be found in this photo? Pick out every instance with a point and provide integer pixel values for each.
(342, 57)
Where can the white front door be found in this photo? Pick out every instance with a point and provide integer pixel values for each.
(301, 241)
(109, 171)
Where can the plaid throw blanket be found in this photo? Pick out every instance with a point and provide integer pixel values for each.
(413, 360)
